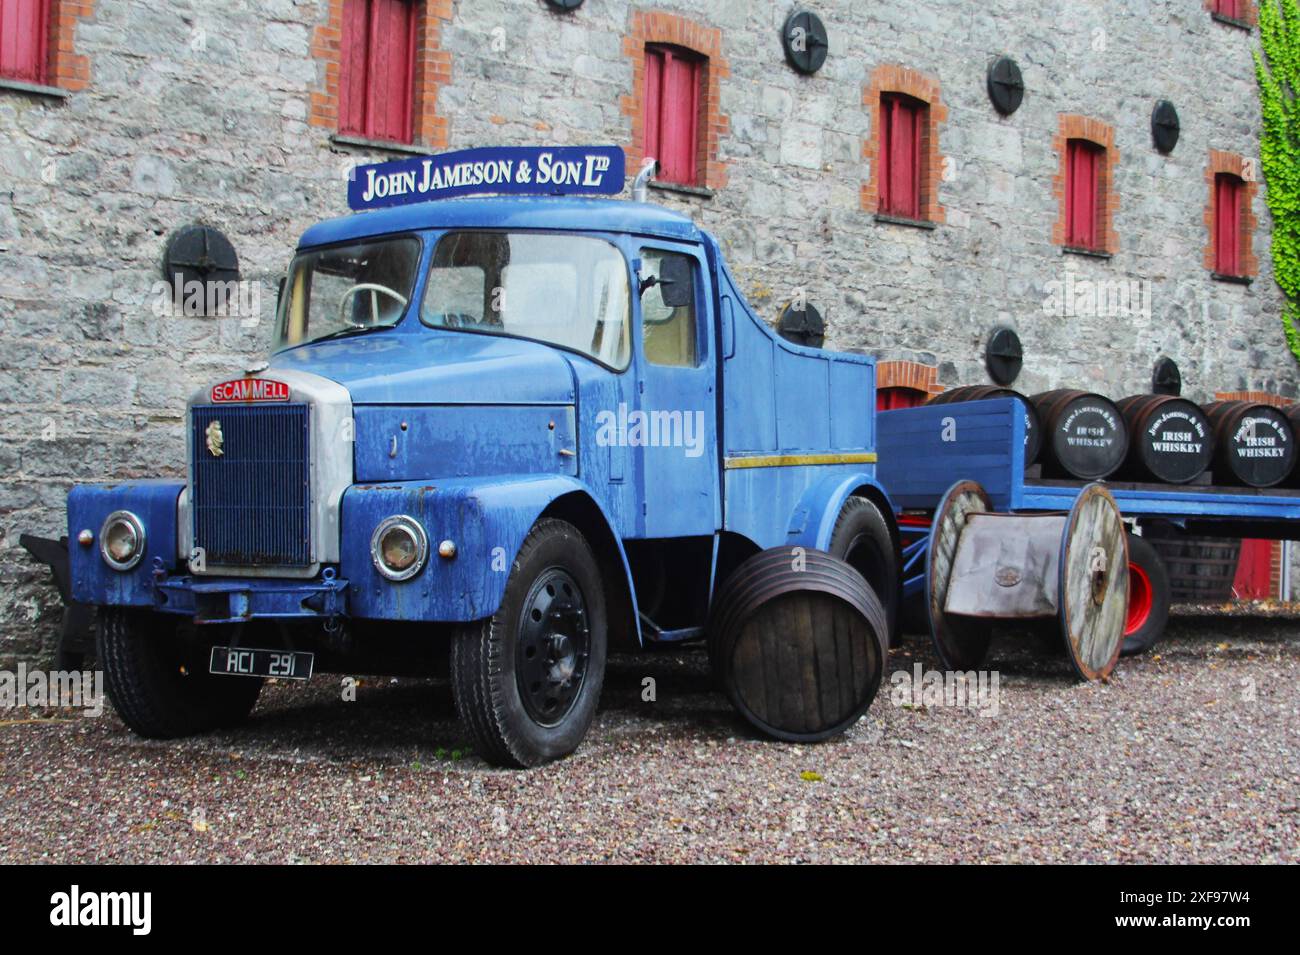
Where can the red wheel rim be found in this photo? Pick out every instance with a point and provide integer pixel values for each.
(1139, 599)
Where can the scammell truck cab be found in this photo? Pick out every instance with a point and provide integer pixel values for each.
(496, 437)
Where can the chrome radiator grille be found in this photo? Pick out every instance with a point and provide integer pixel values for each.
(250, 484)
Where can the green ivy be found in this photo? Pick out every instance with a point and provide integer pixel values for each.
(1278, 72)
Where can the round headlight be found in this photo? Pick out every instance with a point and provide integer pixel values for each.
(399, 547)
(121, 540)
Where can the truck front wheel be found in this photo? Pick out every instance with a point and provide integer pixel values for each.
(526, 680)
(157, 677)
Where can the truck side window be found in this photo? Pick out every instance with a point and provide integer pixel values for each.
(668, 330)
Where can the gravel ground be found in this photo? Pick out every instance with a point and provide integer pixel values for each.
(1186, 756)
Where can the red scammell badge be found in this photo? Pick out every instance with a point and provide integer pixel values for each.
(250, 389)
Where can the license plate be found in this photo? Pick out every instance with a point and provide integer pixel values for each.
(282, 664)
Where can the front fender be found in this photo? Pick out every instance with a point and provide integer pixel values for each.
(814, 517)
(154, 503)
(486, 518)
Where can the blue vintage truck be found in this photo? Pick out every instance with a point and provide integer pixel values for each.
(499, 436)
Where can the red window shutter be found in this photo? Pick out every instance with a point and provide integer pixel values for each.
(1227, 224)
(1083, 162)
(900, 156)
(392, 56)
(24, 40)
(654, 80)
(891, 398)
(352, 68)
(377, 71)
(1228, 8)
(672, 110)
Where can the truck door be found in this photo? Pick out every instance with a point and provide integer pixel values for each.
(675, 446)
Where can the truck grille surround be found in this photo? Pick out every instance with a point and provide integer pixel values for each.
(250, 484)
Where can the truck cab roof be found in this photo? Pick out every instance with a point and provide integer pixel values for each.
(542, 212)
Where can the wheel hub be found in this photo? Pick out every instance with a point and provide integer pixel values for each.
(563, 661)
(1140, 600)
(553, 648)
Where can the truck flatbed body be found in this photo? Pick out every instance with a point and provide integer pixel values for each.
(924, 451)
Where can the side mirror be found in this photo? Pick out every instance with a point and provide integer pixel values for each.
(279, 293)
(677, 281)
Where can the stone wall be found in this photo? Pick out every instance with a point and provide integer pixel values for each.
(203, 112)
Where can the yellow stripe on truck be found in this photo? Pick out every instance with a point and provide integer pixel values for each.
(795, 460)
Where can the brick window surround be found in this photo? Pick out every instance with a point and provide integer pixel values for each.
(64, 68)
(658, 27)
(1234, 165)
(1241, 13)
(892, 78)
(908, 374)
(432, 71)
(1074, 126)
(1258, 397)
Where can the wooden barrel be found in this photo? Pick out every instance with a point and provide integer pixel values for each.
(1254, 444)
(1170, 439)
(1201, 569)
(1084, 435)
(798, 641)
(1033, 433)
(1292, 413)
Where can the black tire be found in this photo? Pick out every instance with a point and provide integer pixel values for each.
(505, 718)
(863, 540)
(1144, 562)
(156, 675)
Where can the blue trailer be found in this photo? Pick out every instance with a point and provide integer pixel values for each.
(924, 450)
(499, 436)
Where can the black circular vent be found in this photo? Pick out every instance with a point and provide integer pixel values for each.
(1006, 85)
(199, 253)
(804, 39)
(1166, 379)
(803, 326)
(1164, 126)
(1003, 356)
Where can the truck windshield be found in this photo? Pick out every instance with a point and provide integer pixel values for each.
(347, 288)
(566, 290)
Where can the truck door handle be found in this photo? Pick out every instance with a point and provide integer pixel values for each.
(728, 329)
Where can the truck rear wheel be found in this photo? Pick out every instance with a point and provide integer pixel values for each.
(527, 680)
(1148, 598)
(861, 539)
(157, 677)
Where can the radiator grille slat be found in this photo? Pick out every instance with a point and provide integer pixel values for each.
(252, 503)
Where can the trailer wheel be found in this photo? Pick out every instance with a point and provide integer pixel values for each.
(861, 538)
(1148, 598)
(526, 680)
(157, 676)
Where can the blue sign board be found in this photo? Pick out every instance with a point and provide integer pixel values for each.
(496, 170)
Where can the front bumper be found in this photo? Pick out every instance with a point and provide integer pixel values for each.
(236, 600)
(486, 518)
